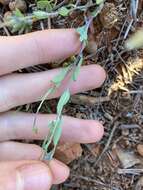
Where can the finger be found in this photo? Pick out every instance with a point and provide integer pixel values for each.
(35, 175)
(19, 89)
(37, 47)
(14, 151)
(10, 151)
(16, 125)
(25, 175)
(60, 171)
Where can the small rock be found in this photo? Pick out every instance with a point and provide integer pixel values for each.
(140, 149)
(68, 152)
(127, 159)
(125, 132)
(139, 184)
(18, 4)
(96, 148)
(91, 47)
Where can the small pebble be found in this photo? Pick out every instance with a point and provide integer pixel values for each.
(68, 152)
(91, 47)
(18, 4)
(140, 149)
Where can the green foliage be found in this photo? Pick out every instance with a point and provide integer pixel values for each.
(99, 2)
(21, 23)
(45, 5)
(18, 23)
(60, 77)
(63, 11)
(55, 127)
(63, 101)
(39, 15)
(50, 91)
(77, 69)
(18, 13)
(57, 80)
(57, 135)
(83, 32)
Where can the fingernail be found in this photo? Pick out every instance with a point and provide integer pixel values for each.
(34, 176)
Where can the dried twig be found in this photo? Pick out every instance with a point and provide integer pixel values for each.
(4, 27)
(134, 8)
(129, 126)
(130, 171)
(88, 100)
(134, 92)
(107, 144)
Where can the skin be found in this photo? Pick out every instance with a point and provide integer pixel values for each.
(21, 168)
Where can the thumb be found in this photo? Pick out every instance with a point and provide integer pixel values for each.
(25, 175)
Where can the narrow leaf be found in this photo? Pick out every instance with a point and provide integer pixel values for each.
(63, 11)
(18, 13)
(58, 79)
(48, 139)
(83, 30)
(63, 100)
(40, 14)
(50, 91)
(44, 4)
(57, 135)
(77, 70)
(99, 2)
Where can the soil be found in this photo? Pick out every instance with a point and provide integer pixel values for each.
(115, 163)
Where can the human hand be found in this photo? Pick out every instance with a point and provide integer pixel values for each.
(20, 166)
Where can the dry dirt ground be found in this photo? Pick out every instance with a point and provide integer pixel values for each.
(116, 162)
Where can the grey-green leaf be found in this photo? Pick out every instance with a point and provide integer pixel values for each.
(83, 30)
(44, 4)
(57, 135)
(63, 11)
(40, 14)
(77, 70)
(18, 13)
(63, 101)
(58, 79)
(99, 2)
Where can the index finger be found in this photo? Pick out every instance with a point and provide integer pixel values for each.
(17, 52)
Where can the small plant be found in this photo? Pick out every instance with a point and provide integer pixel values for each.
(74, 69)
(45, 5)
(18, 22)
